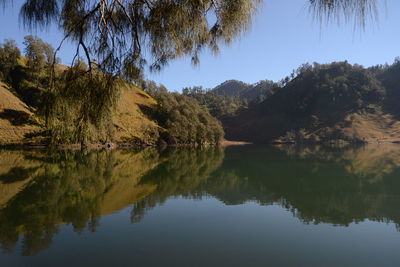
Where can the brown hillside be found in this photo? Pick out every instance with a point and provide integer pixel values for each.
(132, 124)
(370, 128)
(130, 119)
(15, 118)
(354, 127)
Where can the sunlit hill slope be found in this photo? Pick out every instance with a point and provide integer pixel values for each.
(18, 123)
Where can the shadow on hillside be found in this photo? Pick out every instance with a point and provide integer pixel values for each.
(16, 117)
(146, 110)
(16, 174)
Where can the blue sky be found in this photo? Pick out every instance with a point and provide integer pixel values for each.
(282, 37)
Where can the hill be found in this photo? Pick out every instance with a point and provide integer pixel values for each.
(18, 123)
(323, 103)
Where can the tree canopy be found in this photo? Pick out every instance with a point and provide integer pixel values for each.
(115, 34)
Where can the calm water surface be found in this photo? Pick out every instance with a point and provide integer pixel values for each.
(238, 206)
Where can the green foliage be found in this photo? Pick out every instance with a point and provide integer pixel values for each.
(390, 78)
(219, 106)
(77, 103)
(231, 97)
(39, 54)
(328, 88)
(360, 11)
(9, 56)
(111, 35)
(185, 121)
(119, 30)
(79, 106)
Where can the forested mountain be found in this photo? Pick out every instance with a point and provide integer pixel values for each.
(323, 103)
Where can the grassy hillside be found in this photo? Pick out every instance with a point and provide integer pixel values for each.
(16, 120)
(132, 124)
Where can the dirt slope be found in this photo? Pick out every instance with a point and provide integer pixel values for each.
(132, 124)
(15, 118)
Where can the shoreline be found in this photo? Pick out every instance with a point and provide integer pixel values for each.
(224, 143)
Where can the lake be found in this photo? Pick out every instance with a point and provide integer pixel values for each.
(235, 206)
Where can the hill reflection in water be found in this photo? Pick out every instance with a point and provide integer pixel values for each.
(335, 185)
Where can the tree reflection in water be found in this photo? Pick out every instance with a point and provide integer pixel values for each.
(336, 185)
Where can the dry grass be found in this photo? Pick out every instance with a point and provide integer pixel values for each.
(373, 128)
(130, 119)
(11, 132)
(355, 127)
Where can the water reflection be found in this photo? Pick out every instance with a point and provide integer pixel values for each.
(39, 191)
(67, 187)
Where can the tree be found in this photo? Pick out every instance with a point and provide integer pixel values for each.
(9, 56)
(112, 34)
(38, 52)
(31, 79)
(184, 120)
(29, 76)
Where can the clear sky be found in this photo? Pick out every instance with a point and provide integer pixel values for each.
(282, 37)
